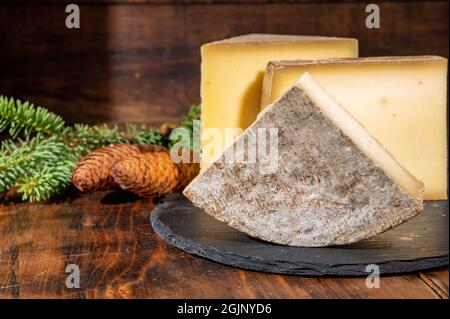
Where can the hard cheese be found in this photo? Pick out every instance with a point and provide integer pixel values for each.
(231, 78)
(402, 101)
(335, 184)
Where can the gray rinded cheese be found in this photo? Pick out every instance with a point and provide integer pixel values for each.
(334, 183)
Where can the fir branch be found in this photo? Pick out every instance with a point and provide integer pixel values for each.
(83, 138)
(19, 160)
(144, 135)
(16, 117)
(46, 181)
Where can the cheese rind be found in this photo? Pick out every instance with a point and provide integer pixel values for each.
(232, 71)
(326, 191)
(402, 101)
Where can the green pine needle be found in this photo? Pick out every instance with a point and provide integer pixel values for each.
(22, 159)
(144, 135)
(83, 138)
(46, 181)
(16, 117)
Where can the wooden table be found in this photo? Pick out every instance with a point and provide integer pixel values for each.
(109, 236)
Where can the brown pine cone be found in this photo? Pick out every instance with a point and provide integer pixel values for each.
(153, 174)
(148, 175)
(93, 171)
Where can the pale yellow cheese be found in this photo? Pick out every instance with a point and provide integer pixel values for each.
(232, 71)
(401, 101)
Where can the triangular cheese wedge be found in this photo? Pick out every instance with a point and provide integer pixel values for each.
(333, 184)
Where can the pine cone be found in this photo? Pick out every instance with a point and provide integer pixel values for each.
(153, 174)
(93, 171)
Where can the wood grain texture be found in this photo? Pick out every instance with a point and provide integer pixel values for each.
(109, 236)
(139, 61)
(437, 281)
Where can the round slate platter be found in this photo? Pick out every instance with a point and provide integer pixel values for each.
(418, 244)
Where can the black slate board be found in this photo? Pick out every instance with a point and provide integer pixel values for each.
(418, 244)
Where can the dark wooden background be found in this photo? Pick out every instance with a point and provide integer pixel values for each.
(138, 60)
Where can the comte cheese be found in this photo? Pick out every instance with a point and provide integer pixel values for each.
(232, 71)
(401, 101)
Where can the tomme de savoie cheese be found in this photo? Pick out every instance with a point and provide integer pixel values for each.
(402, 101)
(332, 183)
(231, 78)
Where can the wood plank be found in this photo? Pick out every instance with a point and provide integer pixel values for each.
(441, 276)
(109, 236)
(141, 62)
(437, 281)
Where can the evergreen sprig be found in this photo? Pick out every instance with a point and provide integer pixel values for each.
(17, 116)
(144, 135)
(42, 151)
(21, 159)
(46, 181)
(83, 138)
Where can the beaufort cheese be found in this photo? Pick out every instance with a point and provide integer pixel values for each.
(402, 101)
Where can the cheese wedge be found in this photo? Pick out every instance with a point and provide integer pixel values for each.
(402, 101)
(231, 78)
(334, 183)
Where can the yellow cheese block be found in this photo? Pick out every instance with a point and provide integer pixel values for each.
(232, 71)
(402, 102)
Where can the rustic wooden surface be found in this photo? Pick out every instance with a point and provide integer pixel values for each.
(109, 236)
(138, 60)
